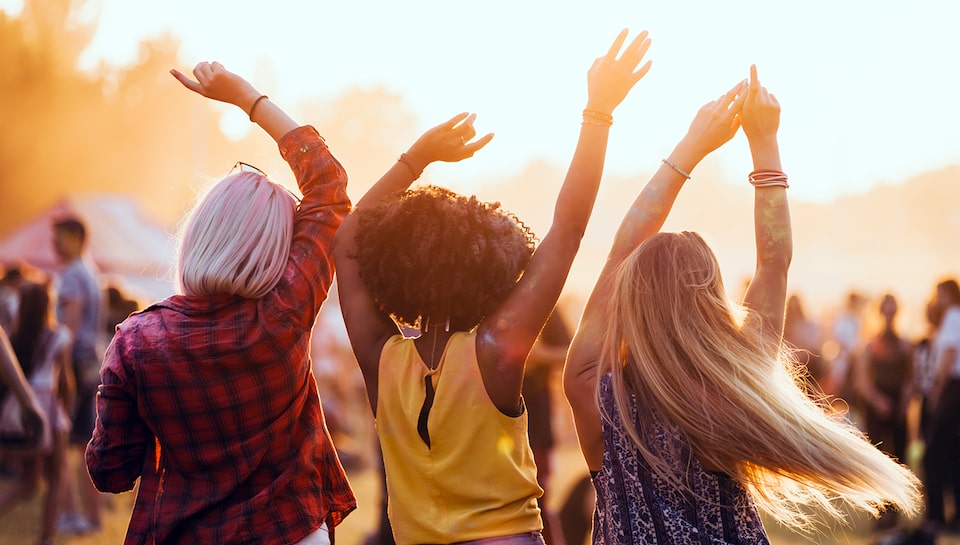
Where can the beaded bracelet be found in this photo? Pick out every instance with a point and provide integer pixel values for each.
(403, 159)
(679, 170)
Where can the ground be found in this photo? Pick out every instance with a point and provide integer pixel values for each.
(19, 526)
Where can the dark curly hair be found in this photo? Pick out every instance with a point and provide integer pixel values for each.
(433, 254)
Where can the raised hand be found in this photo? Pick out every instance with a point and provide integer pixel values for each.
(718, 120)
(761, 111)
(216, 82)
(610, 79)
(450, 141)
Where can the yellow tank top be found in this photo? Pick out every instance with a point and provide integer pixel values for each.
(477, 479)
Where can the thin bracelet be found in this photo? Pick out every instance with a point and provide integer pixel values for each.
(679, 170)
(403, 159)
(254, 107)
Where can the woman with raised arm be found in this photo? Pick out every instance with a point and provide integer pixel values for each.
(208, 396)
(448, 408)
(687, 409)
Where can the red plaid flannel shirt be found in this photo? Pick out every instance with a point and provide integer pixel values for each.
(212, 402)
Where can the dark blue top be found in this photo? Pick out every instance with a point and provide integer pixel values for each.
(635, 506)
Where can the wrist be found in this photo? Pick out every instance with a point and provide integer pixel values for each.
(686, 156)
(597, 106)
(416, 159)
(765, 154)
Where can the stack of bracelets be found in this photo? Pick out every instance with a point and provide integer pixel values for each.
(768, 178)
(594, 117)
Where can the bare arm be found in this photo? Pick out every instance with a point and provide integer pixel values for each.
(217, 83)
(367, 327)
(767, 292)
(714, 124)
(506, 336)
(11, 374)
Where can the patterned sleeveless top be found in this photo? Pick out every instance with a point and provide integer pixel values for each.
(636, 507)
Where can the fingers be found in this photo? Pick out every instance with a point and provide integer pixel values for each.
(617, 44)
(738, 101)
(453, 121)
(731, 95)
(639, 46)
(474, 147)
(638, 75)
(754, 82)
(187, 82)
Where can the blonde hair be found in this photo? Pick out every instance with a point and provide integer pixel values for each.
(693, 358)
(237, 238)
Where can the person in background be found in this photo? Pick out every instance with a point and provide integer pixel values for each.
(688, 410)
(805, 337)
(543, 364)
(42, 348)
(79, 308)
(883, 379)
(941, 459)
(208, 397)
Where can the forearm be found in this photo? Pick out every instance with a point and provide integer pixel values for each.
(771, 211)
(774, 240)
(651, 208)
(579, 190)
(12, 375)
(269, 116)
(399, 178)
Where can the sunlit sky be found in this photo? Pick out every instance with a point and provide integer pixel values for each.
(870, 89)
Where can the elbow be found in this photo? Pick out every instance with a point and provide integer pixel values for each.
(110, 477)
(578, 386)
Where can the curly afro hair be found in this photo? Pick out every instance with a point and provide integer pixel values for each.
(433, 254)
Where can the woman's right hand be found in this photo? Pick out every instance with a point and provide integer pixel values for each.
(217, 83)
(761, 111)
(610, 79)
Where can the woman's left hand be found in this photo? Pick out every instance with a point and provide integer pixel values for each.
(450, 142)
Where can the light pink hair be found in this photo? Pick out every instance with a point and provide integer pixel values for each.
(237, 238)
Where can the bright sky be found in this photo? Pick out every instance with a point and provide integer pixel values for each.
(870, 90)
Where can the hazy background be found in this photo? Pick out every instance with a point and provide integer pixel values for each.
(869, 93)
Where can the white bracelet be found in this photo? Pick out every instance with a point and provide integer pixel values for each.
(679, 170)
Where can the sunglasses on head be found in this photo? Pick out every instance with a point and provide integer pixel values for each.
(240, 166)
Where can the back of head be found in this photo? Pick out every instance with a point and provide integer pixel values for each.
(692, 358)
(671, 290)
(237, 239)
(949, 292)
(434, 255)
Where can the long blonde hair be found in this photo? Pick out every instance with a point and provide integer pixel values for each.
(692, 358)
(237, 239)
